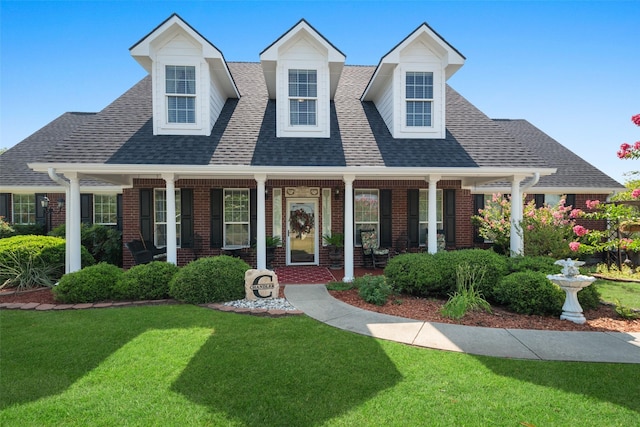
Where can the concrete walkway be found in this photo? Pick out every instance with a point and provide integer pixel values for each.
(615, 347)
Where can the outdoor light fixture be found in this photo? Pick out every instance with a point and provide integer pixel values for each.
(60, 204)
(337, 193)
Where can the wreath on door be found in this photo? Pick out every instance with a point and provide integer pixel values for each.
(301, 222)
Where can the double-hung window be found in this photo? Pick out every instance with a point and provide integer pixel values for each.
(180, 83)
(366, 212)
(419, 98)
(424, 213)
(303, 97)
(236, 217)
(105, 209)
(160, 216)
(24, 208)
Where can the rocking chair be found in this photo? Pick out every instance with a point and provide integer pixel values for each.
(372, 255)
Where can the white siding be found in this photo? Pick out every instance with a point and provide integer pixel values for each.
(180, 46)
(216, 100)
(384, 103)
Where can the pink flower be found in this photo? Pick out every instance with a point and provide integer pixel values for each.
(592, 204)
(624, 243)
(636, 119)
(635, 193)
(576, 213)
(580, 230)
(636, 146)
(574, 246)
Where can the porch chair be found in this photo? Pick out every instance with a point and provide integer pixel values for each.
(144, 252)
(373, 255)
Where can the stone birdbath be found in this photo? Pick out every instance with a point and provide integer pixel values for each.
(571, 282)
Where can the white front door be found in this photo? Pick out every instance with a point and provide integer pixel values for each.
(302, 232)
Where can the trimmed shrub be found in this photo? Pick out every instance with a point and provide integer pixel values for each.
(541, 264)
(91, 284)
(103, 242)
(416, 274)
(49, 250)
(146, 281)
(589, 297)
(206, 280)
(529, 292)
(373, 289)
(435, 274)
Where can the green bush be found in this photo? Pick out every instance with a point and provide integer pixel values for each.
(529, 292)
(214, 279)
(26, 272)
(103, 242)
(146, 281)
(467, 296)
(541, 264)
(589, 297)
(91, 284)
(50, 250)
(435, 274)
(373, 289)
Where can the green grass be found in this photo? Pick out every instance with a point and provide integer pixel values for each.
(627, 292)
(186, 365)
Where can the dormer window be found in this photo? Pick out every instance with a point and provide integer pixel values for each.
(303, 97)
(181, 93)
(419, 98)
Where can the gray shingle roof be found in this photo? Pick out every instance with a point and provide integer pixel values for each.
(573, 171)
(13, 162)
(245, 134)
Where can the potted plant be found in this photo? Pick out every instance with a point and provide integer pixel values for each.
(335, 243)
(272, 242)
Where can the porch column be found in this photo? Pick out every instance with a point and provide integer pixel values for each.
(516, 237)
(67, 231)
(432, 235)
(261, 231)
(348, 228)
(170, 188)
(73, 225)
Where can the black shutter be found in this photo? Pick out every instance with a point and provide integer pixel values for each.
(5, 206)
(253, 216)
(449, 220)
(119, 212)
(413, 220)
(216, 217)
(186, 220)
(478, 203)
(386, 219)
(539, 199)
(86, 209)
(570, 201)
(40, 219)
(146, 214)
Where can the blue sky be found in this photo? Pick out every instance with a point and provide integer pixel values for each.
(572, 68)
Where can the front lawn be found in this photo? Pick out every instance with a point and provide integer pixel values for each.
(628, 293)
(186, 365)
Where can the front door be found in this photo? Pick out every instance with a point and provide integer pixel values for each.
(302, 233)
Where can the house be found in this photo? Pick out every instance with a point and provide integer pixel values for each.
(205, 156)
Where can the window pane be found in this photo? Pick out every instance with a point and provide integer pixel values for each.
(419, 85)
(181, 109)
(424, 213)
(105, 209)
(24, 208)
(160, 217)
(303, 83)
(302, 112)
(418, 113)
(366, 211)
(236, 217)
(180, 79)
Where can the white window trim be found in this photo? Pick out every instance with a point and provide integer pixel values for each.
(178, 219)
(356, 231)
(437, 128)
(302, 98)
(424, 194)
(276, 196)
(161, 99)
(95, 195)
(33, 214)
(326, 214)
(224, 216)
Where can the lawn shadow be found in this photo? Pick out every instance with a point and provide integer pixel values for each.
(269, 378)
(619, 386)
(44, 353)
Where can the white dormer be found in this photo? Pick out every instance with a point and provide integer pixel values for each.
(408, 86)
(302, 70)
(191, 80)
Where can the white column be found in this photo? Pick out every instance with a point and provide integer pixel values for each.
(67, 232)
(432, 235)
(348, 228)
(73, 226)
(172, 248)
(261, 244)
(516, 238)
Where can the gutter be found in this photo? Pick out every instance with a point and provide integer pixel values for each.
(534, 181)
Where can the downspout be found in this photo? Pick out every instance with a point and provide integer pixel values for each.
(534, 181)
(57, 178)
